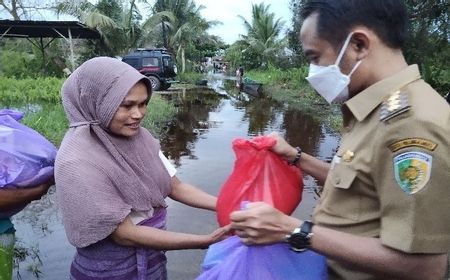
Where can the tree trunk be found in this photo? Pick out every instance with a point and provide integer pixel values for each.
(183, 61)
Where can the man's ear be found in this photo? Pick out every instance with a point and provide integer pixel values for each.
(361, 43)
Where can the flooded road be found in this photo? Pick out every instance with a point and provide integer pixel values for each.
(198, 142)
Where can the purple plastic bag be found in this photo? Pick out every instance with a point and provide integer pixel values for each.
(26, 157)
(230, 259)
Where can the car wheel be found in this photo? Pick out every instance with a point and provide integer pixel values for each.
(156, 84)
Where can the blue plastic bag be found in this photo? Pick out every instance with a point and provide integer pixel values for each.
(26, 157)
(230, 259)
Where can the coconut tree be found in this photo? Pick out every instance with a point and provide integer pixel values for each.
(263, 33)
(117, 21)
(185, 26)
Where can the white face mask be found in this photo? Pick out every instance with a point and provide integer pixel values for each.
(329, 81)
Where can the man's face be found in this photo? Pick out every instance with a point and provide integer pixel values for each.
(321, 52)
(316, 50)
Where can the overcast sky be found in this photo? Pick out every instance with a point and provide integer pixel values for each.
(227, 12)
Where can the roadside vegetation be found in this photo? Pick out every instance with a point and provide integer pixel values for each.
(39, 99)
(268, 54)
(277, 60)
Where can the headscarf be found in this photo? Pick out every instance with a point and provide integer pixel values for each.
(100, 177)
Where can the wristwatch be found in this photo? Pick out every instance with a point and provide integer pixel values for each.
(300, 238)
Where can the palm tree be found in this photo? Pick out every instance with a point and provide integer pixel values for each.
(263, 33)
(117, 23)
(183, 27)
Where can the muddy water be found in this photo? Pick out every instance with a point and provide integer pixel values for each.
(198, 142)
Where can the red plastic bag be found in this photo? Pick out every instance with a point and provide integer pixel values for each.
(259, 175)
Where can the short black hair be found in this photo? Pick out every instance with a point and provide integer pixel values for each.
(387, 18)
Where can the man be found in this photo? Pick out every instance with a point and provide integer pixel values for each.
(11, 199)
(384, 211)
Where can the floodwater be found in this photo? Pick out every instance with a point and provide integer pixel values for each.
(198, 142)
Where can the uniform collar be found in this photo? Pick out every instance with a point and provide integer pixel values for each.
(362, 104)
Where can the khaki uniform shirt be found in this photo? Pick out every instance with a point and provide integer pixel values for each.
(390, 178)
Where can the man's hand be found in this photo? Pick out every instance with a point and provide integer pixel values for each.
(260, 223)
(282, 147)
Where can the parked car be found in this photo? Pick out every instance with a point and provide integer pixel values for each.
(157, 64)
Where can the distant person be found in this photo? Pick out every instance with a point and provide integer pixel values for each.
(112, 179)
(11, 199)
(384, 212)
(239, 77)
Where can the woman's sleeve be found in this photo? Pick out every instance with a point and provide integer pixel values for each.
(170, 168)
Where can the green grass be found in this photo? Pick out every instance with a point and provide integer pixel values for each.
(190, 77)
(39, 99)
(293, 78)
(30, 90)
(289, 86)
(160, 113)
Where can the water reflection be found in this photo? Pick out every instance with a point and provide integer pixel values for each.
(190, 122)
(263, 115)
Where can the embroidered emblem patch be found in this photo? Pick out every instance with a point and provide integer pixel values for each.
(412, 171)
(413, 142)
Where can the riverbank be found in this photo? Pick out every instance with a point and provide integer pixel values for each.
(39, 99)
(291, 88)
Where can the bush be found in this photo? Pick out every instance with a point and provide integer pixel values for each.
(190, 77)
(30, 90)
(293, 78)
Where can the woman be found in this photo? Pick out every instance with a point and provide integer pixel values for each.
(112, 179)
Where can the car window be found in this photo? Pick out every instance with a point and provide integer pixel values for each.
(132, 61)
(166, 61)
(149, 61)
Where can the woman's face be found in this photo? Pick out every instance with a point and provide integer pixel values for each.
(127, 119)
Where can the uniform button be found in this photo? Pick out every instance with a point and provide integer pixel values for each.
(337, 180)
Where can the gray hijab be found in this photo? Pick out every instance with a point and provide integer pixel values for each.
(101, 177)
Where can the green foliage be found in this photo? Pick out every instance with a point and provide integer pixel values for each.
(29, 61)
(428, 45)
(30, 90)
(239, 54)
(293, 78)
(47, 118)
(184, 33)
(16, 64)
(289, 86)
(160, 112)
(261, 45)
(190, 77)
(39, 99)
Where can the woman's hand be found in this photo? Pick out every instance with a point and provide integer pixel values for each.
(282, 147)
(217, 235)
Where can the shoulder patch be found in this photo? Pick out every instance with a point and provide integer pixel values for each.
(395, 104)
(412, 171)
(413, 142)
